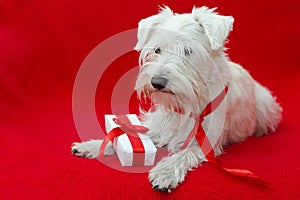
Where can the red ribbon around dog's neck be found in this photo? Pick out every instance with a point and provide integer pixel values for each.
(200, 135)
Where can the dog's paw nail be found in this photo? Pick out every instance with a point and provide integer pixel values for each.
(155, 187)
(74, 151)
(164, 190)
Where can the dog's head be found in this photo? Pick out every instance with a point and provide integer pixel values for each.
(177, 54)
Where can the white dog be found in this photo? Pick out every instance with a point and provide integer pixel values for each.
(183, 65)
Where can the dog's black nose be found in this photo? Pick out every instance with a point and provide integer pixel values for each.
(159, 82)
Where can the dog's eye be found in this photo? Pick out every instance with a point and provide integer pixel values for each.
(187, 51)
(157, 50)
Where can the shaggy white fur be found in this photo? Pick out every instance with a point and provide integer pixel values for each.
(183, 65)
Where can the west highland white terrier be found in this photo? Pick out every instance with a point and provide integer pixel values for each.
(183, 65)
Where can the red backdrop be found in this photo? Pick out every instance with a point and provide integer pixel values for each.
(42, 45)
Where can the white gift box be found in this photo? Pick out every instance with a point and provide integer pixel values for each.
(123, 146)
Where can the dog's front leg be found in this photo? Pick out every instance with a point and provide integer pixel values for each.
(171, 171)
(90, 149)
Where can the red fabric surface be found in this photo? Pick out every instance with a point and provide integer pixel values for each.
(42, 45)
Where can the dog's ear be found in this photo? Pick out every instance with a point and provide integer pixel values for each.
(145, 29)
(216, 27)
(147, 26)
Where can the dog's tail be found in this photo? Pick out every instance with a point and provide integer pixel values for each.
(268, 111)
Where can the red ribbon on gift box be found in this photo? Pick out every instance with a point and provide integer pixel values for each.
(125, 127)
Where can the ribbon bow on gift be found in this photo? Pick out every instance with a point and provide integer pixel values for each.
(125, 127)
(128, 127)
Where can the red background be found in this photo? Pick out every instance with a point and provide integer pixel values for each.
(42, 45)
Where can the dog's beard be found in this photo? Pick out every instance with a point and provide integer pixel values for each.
(167, 97)
(179, 97)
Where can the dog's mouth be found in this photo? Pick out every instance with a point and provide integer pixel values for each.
(165, 91)
(148, 91)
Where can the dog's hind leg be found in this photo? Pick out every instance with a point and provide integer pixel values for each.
(268, 111)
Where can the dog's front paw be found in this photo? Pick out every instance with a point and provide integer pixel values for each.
(165, 177)
(90, 149)
(164, 180)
